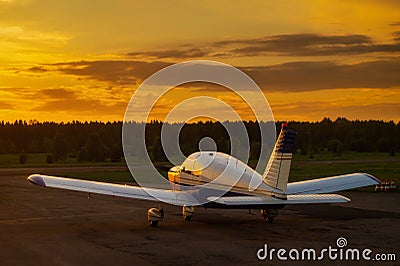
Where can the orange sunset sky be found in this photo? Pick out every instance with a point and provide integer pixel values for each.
(82, 60)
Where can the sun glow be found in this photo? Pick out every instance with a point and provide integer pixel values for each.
(67, 60)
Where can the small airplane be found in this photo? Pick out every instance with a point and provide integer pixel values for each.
(271, 192)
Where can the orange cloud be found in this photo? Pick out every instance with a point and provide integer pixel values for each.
(304, 44)
(293, 76)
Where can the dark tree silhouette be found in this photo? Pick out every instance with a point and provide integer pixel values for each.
(59, 147)
(335, 146)
(95, 147)
(97, 141)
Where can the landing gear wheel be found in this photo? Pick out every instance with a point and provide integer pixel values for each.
(153, 223)
(187, 212)
(269, 215)
(187, 218)
(155, 215)
(269, 220)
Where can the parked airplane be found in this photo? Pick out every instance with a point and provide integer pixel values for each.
(271, 192)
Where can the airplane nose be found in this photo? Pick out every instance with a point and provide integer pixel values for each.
(36, 180)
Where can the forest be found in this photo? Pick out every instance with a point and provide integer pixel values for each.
(99, 141)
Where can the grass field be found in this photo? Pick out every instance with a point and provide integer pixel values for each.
(39, 160)
(348, 155)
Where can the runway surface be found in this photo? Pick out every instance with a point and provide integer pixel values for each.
(40, 226)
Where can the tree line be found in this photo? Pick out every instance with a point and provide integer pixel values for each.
(99, 141)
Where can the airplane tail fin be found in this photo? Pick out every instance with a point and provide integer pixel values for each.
(277, 172)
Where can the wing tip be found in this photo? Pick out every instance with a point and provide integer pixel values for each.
(345, 199)
(373, 178)
(36, 180)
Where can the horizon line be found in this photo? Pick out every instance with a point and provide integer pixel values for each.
(35, 121)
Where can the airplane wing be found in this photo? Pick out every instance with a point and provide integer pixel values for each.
(291, 199)
(173, 197)
(331, 184)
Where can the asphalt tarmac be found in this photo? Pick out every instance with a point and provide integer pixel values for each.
(40, 226)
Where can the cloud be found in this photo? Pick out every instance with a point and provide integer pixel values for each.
(6, 106)
(57, 94)
(40, 94)
(305, 44)
(309, 45)
(63, 99)
(37, 69)
(290, 77)
(304, 39)
(307, 76)
(118, 72)
(180, 53)
(79, 106)
(311, 76)
(58, 100)
(396, 35)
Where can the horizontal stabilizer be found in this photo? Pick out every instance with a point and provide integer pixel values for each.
(291, 199)
(331, 184)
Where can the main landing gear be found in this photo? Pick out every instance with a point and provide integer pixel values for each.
(187, 212)
(269, 215)
(155, 215)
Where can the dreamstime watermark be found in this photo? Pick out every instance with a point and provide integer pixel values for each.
(157, 85)
(338, 252)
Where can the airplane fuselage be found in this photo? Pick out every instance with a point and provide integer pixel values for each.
(214, 172)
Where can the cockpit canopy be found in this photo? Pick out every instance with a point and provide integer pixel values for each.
(198, 161)
(207, 164)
